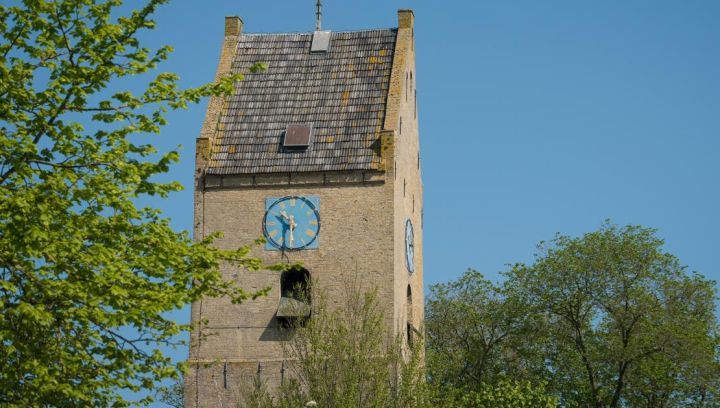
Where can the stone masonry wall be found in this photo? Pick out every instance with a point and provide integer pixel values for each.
(356, 245)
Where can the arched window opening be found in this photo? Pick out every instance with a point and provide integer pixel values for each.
(295, 299)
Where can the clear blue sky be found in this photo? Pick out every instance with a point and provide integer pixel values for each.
(535, 117)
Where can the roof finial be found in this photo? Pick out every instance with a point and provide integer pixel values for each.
(318, 15)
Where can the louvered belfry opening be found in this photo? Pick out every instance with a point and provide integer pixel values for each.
(295, 299)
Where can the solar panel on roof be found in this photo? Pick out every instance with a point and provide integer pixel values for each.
(320, 41)
(297, 136)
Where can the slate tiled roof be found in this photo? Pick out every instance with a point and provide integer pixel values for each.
(342, 93)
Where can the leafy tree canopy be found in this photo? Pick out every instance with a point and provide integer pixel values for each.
(503, 394)
(609, 319)
(86, 276)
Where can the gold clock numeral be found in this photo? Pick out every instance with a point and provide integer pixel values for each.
(273, 233)
(313, 222)
(310, 233)
(282, 205)
(309, 212)
(271, 223)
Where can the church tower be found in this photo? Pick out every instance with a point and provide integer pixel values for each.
(320, 155)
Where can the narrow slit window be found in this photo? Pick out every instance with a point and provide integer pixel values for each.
(407, 86)
(410, 320)
(416, 104)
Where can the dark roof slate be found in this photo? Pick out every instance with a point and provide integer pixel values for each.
(342, 93)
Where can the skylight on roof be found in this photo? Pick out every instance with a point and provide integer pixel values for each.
(320, 41)
(297, 136)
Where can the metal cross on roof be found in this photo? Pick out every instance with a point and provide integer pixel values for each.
(318, 15)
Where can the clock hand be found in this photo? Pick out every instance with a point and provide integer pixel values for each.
(292, 228)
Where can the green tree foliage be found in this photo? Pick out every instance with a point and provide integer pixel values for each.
(503, 394)
(342, 357)
(173, 394)
(86, 276)
(476, 334)
(616, 321)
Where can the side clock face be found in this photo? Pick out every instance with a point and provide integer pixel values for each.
(292, 223)
(409, 246)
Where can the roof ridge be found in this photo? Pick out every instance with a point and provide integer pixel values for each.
(310, 32)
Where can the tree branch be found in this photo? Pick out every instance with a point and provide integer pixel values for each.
(70, 166)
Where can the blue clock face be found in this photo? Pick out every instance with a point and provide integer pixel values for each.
(409, 246)
(292, 223)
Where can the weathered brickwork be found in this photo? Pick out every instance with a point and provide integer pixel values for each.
(361, 241)
(408, 189)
